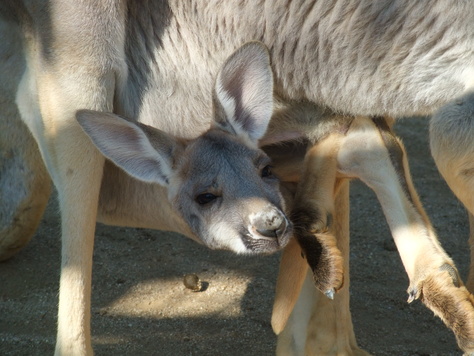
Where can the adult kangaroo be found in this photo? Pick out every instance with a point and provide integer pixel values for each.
(156, 61)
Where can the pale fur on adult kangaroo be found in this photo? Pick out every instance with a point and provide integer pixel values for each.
(156, 62)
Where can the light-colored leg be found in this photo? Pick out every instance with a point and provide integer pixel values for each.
(291, 277)
(78, 192)
(313, 211)
(76, 168)
(292, 339)
(371, 152)
(330, 330)
(75, 67)
(77, 175)
(452, 146)
(318, 325)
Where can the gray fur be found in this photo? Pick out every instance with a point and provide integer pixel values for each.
(391, 58)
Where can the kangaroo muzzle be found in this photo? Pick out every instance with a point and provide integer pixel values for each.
(271, 224)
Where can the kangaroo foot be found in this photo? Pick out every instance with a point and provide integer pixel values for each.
(319, 248)
(325, 260)
(443, 292)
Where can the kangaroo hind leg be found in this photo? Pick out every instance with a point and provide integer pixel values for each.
(313, 212)
(372, 153)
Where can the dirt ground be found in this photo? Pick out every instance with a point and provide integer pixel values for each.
(140, 306)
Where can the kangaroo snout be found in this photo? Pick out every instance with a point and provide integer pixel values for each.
(271, 224)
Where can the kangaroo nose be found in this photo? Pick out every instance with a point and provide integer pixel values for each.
(272, 226)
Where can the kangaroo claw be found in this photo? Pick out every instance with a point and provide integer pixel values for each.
(413, 294)
(330, 293)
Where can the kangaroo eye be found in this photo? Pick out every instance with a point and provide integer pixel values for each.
(266, 171)
(205, 198)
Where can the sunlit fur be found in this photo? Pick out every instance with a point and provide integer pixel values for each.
(156, 62)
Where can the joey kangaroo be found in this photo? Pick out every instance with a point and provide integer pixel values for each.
(220, 183)
(156, 62)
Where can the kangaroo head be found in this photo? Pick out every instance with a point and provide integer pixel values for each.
(220, 183)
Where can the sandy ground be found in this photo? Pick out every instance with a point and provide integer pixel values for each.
(140, 306)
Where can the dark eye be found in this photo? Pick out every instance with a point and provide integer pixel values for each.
(205, 198)
(266, 171)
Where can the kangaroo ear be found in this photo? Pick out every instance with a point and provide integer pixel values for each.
(143, 152)
(243, 94)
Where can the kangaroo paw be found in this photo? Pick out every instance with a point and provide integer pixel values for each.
(443, 293)
(325, 260)
(319, 248)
